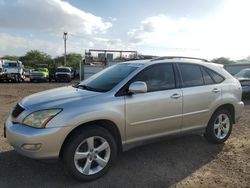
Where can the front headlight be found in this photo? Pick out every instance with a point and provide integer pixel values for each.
(39, 119)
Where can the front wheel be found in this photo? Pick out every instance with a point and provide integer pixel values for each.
(88, 154)
(219, 127)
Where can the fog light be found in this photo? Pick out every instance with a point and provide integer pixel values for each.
(32, 147)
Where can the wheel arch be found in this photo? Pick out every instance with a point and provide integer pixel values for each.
(106, 124)
(229, 107)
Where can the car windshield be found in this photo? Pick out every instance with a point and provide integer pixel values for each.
(62, 70)
(109, 78)
(40, 69)
(9, 64)
(243, 74)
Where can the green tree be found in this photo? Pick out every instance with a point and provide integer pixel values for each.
(73, 60)
(35, 58)
(223, 60)
(11, 57)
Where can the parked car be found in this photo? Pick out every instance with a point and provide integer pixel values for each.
(123, 106)
(12, 71)
(244, 77)
(39, 74)
(27, 72)
(1, 69)
(234, 68)
(64, 74)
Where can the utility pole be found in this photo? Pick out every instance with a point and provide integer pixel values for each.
(65, 37)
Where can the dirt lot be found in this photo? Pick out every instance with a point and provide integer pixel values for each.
(182, 162)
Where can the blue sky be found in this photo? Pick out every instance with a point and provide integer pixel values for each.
(201, 28)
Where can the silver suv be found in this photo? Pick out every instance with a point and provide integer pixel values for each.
(123, 106)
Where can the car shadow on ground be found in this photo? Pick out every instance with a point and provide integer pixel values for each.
(160, 164)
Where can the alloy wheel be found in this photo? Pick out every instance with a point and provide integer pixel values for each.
(221, 126)
(92, 155)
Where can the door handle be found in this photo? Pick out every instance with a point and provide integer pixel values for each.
(176, 96)
(216, 90)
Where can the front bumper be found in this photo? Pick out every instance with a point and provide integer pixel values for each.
(38, 77)
(62, 76)
(9, 75)
(47, 141)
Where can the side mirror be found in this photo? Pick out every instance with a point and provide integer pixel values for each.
(137, 87)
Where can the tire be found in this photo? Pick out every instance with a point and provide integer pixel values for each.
(219, 127)
(19, 78)
(98, 162)
(15, 79)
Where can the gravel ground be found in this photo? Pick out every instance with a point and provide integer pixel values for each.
(181, 162)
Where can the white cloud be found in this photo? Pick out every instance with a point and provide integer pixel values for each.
(43, 22)
(106, 43)
(224, 34)
(112, 19)
(16, 45)
(54, 16)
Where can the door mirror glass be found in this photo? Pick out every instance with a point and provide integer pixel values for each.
(138, 87)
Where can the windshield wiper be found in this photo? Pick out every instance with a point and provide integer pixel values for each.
(85, 87)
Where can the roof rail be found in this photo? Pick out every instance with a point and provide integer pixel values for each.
(179, 57)
(142, 57)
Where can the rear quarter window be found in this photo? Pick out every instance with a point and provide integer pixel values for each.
(216, 76)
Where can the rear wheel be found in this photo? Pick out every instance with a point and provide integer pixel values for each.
(219, 127)
(88, 154)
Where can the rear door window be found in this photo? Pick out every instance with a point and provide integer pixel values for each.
(191, 75)
(207, 78)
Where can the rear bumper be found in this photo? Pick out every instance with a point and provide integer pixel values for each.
(35, 143)
(238, 110)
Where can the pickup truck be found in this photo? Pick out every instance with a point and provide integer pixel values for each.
(39, 74)
(64, 74)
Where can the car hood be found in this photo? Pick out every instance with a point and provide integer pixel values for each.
(37, 72)
(56, 97)
(62, 72)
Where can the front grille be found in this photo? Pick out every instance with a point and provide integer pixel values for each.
(62, 75)
(37, 74)
(17, 111)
